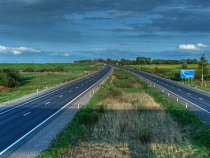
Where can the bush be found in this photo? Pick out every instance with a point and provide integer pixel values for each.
(56, 69)
(9, 77)
(145, 135)
(28, 69)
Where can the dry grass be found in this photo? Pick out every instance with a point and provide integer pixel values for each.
(112, 78)
(119, 130)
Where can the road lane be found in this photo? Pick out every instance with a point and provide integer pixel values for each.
(16, 122)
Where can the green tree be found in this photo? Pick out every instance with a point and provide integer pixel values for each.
(184, 65)
(202, 65)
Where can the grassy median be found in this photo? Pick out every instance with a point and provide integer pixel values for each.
(126, 118)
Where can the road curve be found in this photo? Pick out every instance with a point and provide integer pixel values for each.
(25, 119)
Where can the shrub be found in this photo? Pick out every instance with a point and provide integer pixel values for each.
(28, 69)
(145, 134)
(9, 77)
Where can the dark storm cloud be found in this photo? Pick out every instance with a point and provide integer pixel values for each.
(183, 19)
(39, 13)
(97, 18)
(42, 12)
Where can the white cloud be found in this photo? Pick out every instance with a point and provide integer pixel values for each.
(66, 55)
(17, 50)
(201, 45)
(63, 55)
(188, 47)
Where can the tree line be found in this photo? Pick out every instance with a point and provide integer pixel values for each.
(140, 61)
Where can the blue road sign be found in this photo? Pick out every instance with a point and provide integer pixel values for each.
(187, 73)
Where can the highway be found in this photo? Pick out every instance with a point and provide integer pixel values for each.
(199, 99)
(17, 123)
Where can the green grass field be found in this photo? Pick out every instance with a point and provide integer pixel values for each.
(31, 81)
(67, 66)
(178, 66)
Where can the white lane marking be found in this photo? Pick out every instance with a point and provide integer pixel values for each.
(166, 84)
(201, 98)
(60, 96)
(161, 82)
(47, 103)
(76, 87)
(26, 114)
(188, 93)
(179, 89)
(70, 91)
(40, 97)
(172, 86)
(50, 117)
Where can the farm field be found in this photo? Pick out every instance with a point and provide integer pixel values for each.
(123, 120)
(66, 66)
(31, 81)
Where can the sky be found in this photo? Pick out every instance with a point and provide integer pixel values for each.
(45, 31)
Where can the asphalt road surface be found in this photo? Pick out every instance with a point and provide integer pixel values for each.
(199, 99)
(17, 123)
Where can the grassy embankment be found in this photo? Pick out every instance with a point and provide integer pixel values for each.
(31, 81)
(173, 72)
(122, 120)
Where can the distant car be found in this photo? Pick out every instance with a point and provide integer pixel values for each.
(92, 75)
(88, 77)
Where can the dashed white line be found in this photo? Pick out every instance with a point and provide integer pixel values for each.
(26, 114)
(188, 93)
(201, 98)
(47, 103)
(40, 97)
(70, 91)
(60, 96)
(179, 89)
(172, 86)
(48, 118)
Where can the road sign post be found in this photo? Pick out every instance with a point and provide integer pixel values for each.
(187, 74)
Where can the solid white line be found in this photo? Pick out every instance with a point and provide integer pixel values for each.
(26, 114)
(60, 96)
(39, 97)
(49, 117)
(47, 103)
